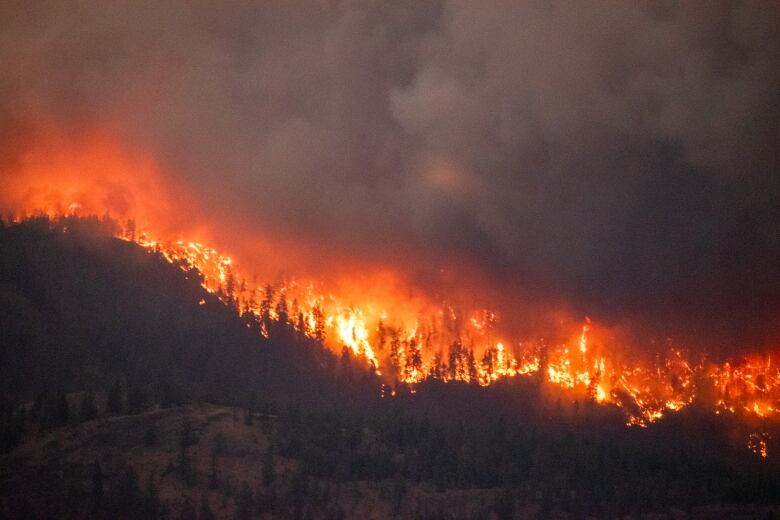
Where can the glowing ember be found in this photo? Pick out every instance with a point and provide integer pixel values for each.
(757, 443)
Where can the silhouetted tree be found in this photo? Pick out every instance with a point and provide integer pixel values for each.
(61, 412)
(213, 471)
(505, 505)
(268, 469)
(437, 369)
(116, 402)
(299, 488)
(205, 512)
(456, 361)
(136, 400)
(266, 304)
(413, 358)
(230, 289)
(381, 336)
(395, 351)
(399, 494)
(487, 361)
(296, 318)
(88, 410)
(187, 511)
(153, 505)
(186, 439)
(282, 326)
(150, 436)
(12, 426)
(126, 498)
(97, 485)
(245, 502)
(472, 366)
(319, 324)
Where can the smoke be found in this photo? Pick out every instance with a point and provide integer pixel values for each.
(620, 157)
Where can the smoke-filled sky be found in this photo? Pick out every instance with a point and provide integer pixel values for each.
(619, 156)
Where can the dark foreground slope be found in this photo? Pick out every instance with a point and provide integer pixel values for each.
(129, 391)
(80, 310)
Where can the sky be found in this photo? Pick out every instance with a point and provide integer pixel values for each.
(620, 158)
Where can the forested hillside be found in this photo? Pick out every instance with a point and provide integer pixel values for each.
(130, 391)
(81, 311)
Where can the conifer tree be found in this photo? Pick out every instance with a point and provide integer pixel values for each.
(116, 398)
(88, 410)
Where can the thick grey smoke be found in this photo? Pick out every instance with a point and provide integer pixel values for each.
(623, 155)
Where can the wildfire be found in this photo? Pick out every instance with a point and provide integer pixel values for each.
(350, 326)
(757, 443)
(413, 351)
(410, 351)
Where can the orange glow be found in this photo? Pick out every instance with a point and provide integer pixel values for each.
(757, 444)
(409, 337)
(409, 340)
(399, 331)
(91, 175)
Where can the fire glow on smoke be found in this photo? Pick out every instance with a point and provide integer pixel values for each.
(436, 346)
(405, 339)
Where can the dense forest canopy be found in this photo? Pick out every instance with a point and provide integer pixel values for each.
(96, 327)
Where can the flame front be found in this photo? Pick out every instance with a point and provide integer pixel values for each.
(407, 340)
(416, 350)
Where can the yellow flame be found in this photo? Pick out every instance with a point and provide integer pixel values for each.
(644, 391)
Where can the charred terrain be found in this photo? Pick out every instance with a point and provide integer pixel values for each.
(130, 391)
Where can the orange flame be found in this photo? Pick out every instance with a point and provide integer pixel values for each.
(394, 329)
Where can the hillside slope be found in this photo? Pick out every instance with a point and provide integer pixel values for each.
(80, 310)
(130, 391)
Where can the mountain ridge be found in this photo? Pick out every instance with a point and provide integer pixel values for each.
(99, 333)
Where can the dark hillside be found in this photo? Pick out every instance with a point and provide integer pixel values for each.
(129, 391)
(80, 310)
